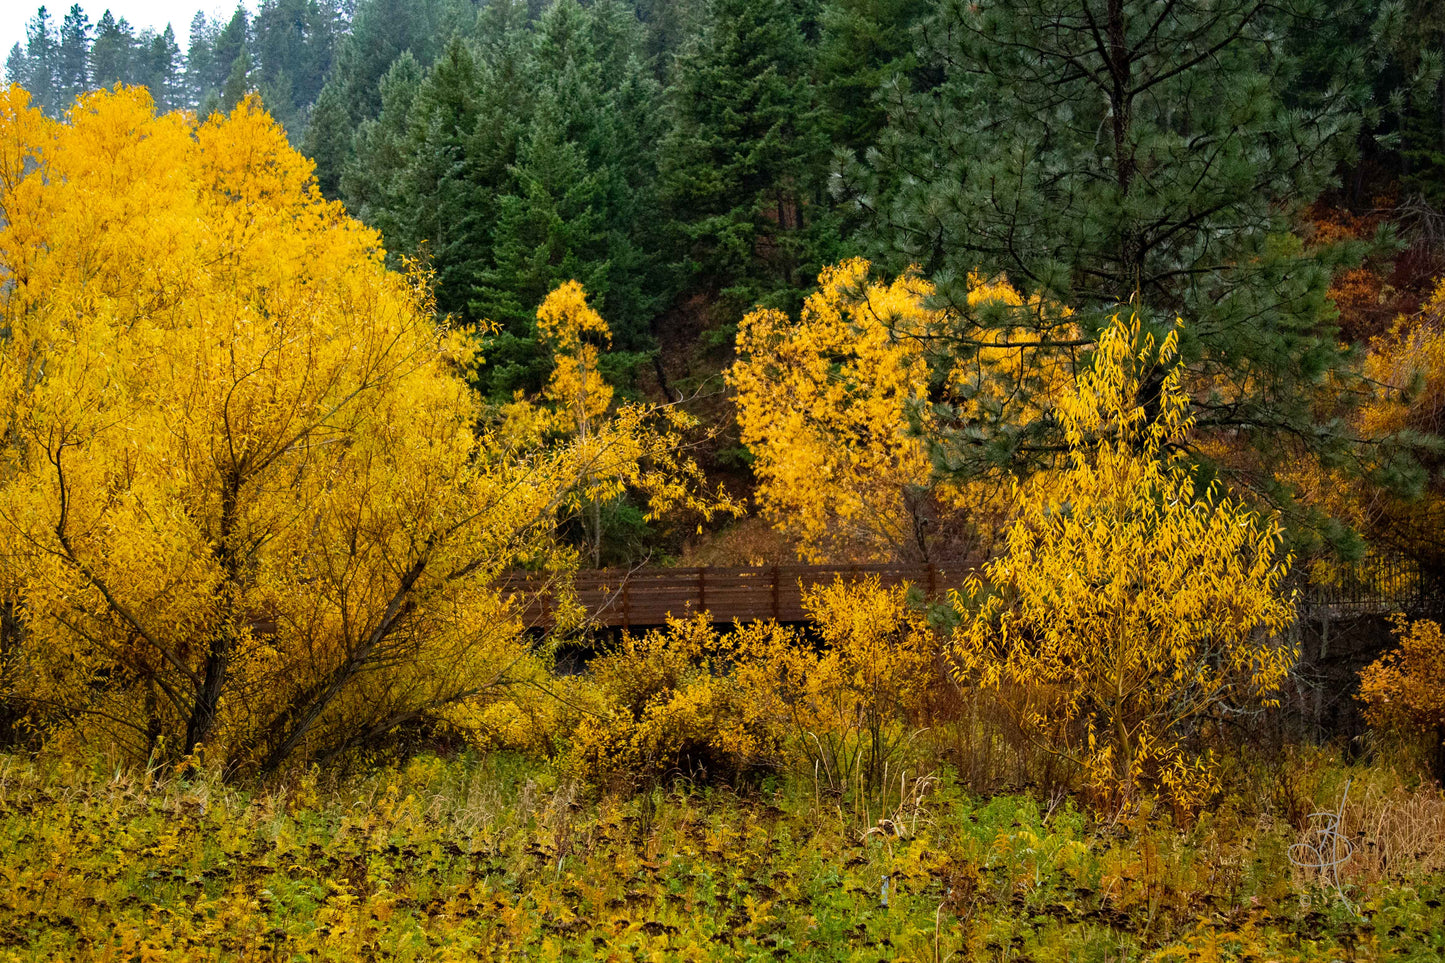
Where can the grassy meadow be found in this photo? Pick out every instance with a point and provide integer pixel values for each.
(491, 857)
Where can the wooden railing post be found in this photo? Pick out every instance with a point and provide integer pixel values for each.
(702, 589)
(777, 613)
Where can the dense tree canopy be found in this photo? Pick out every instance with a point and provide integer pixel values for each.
(1135, 152)
(246, 495)
(687, 162)
(328, 328)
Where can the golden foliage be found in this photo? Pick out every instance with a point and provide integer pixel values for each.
(834, 406)
(823, 403)
(1409, 364)
(1392, 495)
(690, 700)
(579, 391)
(670, 707)
(1404, 690)
(1128, 604)
(632, 448)
(843, 709)
(245, 500)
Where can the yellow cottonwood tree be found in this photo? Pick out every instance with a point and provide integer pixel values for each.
(835, 408)
(1128, 604)
(243, 498)
(627, 448)
(579, 391)
(564, 320)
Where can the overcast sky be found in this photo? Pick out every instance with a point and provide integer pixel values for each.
(15, 14)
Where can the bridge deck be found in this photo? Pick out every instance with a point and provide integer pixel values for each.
(646, 597)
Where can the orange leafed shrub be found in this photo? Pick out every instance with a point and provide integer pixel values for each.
(1404, 690)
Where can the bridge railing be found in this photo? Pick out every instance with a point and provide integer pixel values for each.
(1375, 584)
(647, 597)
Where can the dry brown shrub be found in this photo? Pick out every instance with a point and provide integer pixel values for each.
(1396, 832)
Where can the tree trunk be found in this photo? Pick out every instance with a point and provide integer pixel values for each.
(10, 713)
(1121, 108)
(223, 635)
(1437, 757)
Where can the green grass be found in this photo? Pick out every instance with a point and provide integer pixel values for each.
(489, 859)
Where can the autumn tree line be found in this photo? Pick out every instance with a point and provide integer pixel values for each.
(1134, 307)
(721, 153)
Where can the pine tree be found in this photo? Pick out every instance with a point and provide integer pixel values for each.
(669, 24)
(277, 92)
(279, 47)
(41, 55)
(326, 25)
(570, 213)
(862, 42)
(446, 205)
(229, 44)
(199, 60)
(72, 77)
(578, 201)
(372, 184)
(112, 53)
(353, 57)
(160, 57)
(744, 163)
(548, 228)
(17, 69)
(1407, 49)
(328, 140)
(1109, 152)
(633, 124)
(293, 45)
(380, 31)
(499, 26)
(238, 82)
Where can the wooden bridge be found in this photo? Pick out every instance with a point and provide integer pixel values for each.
(642, 598)
(648, 597)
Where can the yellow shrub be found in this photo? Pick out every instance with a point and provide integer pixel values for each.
(668, 708)
(538, 713)
(1404, 690)
(692, 701)
(1129, 603)
(843, 709)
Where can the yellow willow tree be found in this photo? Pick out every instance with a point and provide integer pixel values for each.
(581, 395)
(243, 501)
(625, 449)
(1128, 603)
(835, 408)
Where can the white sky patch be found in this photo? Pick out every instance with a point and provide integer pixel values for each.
(15, 14)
